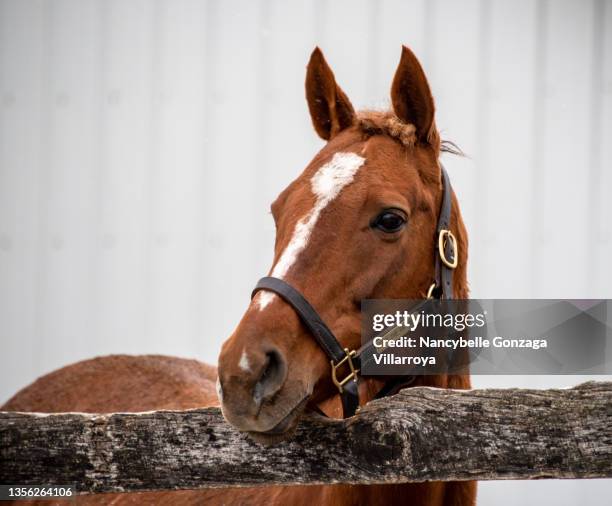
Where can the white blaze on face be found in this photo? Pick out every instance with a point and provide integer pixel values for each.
(326, 184)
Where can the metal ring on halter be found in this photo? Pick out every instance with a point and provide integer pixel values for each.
(446, 237)
(350, 354)
(430, 291)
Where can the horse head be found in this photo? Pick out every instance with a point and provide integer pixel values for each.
(358, 223)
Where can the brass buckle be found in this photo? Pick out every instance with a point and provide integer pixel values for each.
(447, 235)
(352, 375)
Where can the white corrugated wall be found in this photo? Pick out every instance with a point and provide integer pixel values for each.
(141, 143)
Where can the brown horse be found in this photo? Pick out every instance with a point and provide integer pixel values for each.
(358, 223)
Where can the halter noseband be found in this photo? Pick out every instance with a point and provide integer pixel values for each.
(445, 262)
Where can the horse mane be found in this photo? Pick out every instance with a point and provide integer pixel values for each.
(387, 123)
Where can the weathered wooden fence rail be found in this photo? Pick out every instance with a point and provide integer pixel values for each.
(420, 434)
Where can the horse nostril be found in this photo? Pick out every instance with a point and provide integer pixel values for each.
(272, 377)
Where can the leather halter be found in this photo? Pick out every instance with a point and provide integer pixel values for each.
(446, 257)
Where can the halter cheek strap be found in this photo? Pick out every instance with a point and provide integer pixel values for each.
(345, 363)
(446, 255)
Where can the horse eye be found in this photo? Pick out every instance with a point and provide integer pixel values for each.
(389, 222)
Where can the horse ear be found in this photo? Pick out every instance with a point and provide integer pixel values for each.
(330, 109)
(411, 97)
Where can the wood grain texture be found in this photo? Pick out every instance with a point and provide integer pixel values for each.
(420, 434)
